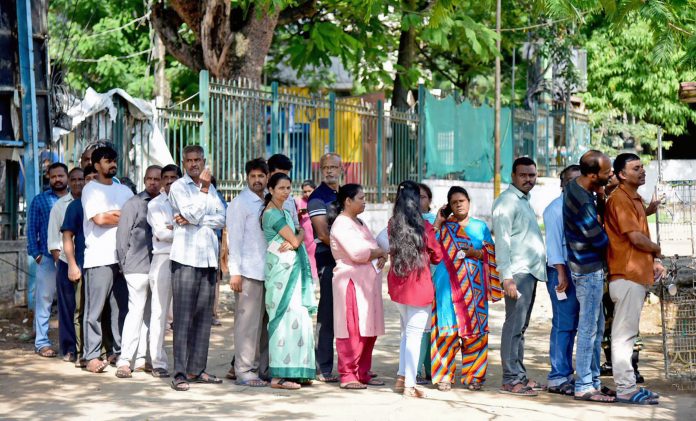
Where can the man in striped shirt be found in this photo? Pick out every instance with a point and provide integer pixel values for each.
(587, 241)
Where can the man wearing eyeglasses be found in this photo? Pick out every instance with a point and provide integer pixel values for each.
(319, 200)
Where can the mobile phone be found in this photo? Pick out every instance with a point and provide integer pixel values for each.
(561, 295)
(446, 211)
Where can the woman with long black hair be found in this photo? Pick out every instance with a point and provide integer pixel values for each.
(357, 290)
(412, 248)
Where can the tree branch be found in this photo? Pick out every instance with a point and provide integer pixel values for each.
(167, 22)
(305, 9)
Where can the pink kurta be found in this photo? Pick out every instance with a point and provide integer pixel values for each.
(306, 225)
(351, 243)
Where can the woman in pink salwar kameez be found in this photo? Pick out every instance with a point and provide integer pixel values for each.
(357, 290)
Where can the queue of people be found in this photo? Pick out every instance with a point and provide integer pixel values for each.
(120, 261)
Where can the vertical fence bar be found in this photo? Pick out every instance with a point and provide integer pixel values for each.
(204, 108)
(420, 156)
(380, 145)
(275, 118)
(332, 122)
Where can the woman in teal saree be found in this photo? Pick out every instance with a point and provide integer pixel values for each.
(289, 293)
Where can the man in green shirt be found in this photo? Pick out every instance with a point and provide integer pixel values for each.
(521, 258)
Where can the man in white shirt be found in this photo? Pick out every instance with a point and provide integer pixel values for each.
(160, 216)
(198, 212)
(102, 201)
(134, 252)
(65, 288)
(247, 255)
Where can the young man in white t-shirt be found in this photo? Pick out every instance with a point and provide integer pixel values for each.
(102, 201)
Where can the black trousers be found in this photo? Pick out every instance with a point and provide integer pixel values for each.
(324, 351)
(193, 292)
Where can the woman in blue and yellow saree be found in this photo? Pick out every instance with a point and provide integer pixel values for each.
(464, 282)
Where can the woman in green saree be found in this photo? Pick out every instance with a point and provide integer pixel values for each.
(289, 293)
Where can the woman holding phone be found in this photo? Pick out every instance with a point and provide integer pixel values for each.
(464, 282)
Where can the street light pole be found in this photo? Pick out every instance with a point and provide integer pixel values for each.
(496, 169)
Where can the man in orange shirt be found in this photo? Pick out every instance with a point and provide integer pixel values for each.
(633, 267)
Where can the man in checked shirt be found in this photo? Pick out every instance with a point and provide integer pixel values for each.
(198, 212)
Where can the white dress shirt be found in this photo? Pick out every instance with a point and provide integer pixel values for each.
(160, 215)
(245, 239)
(196, 244)
(55, 221)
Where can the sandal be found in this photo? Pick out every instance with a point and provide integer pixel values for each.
(252, 383)
(96, 365)
(124, 372)
(306, 382)
(353, 386)
(476, 387)
(372, 374)
(47, 352)
(375, 382)
(653, 395)
(414, 392)
(444, 386)
(421, 380)
(565, 389)
(180, 384)
(285, 384)
(327, 378)
(159, 372)
(608, 392)
(641, 396)
(518, 389)
(534, 385)
(205, 378)
(595, 396)
(400, 384)
(231, 374)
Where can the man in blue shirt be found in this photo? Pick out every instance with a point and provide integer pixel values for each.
(564, 323)
(37, 247)
(586, 242)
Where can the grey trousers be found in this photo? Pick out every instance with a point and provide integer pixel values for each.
(250, 331)
(628, 298)
(193, 292)
(517, 314)
(103, 284)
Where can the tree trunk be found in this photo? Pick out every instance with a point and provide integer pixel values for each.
(404, 61)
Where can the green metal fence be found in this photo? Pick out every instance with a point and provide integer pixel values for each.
(238, 120)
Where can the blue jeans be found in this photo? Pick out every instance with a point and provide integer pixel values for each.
(45, 292)
(564, 326)
(589, 288)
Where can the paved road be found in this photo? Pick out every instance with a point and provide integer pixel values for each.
(37, 388)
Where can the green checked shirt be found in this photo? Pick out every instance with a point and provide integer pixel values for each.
(519, 246)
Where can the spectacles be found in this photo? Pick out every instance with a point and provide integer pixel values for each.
(331, 167)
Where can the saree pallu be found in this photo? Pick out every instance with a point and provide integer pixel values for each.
(289, 303)
(463, 288)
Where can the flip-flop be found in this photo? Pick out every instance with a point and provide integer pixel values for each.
(518, 389)
(565, 389)
(640, 397)
(159, 372)
(444, 386)
(205, 378)
(476, 387)
(124, 372)
(595, 396)
(353, 386)
(285, 384)
(327, 378)
(375, 382)
(47, 352)
(251, 383)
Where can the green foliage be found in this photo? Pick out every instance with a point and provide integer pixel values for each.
(94, 43)
(629, 93)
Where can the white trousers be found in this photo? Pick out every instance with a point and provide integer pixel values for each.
(413, 322)
(135, 331)
(161, 286)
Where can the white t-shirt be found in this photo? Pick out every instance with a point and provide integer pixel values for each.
(100, 242)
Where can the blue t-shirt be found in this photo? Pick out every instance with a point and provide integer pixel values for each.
(73, 223)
